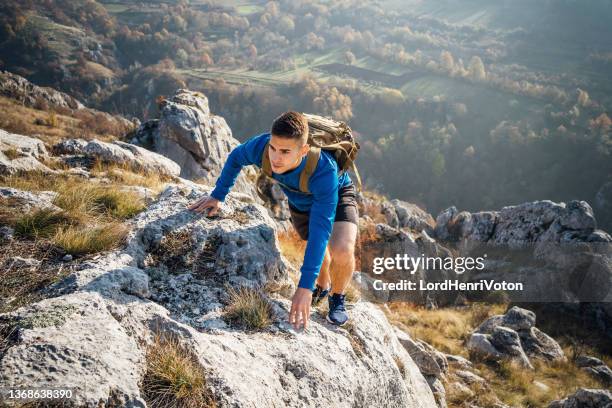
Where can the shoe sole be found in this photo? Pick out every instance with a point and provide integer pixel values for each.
(336, 324)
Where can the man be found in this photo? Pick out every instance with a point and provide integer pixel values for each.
(328, 215)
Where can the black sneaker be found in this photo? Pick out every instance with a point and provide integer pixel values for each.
(337, 313)
(318, 295)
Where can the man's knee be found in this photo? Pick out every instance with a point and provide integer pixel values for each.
(342, 250)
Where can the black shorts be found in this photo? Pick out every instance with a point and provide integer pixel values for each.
(346, 210)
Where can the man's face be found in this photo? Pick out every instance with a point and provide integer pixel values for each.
(286, 154)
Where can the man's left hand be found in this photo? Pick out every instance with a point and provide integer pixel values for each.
(300, 308)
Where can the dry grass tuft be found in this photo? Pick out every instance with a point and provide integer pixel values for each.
(119, 204)
(40, 223)
(248, 308)
(81, 241)
(353, 294)
(89, 220)
(174, 377)
(12, 153)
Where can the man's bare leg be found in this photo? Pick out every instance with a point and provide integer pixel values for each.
(342, 251)
(324, 279)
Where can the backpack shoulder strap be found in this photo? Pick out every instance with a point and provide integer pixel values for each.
(311, 164)
(266, 167)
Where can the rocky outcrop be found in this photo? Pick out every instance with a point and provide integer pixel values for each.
(189, 134)
(22, 154)
(518, 225)
(19, 154)
(431, 363)
(513, 336)
(585, 398)
(26, 93)
(553, 249)
(171, 278)
(117, 152)
(429, 360)
(16, 87)
(25, 201)
(396, 213)
(597, 368)
(401, 214)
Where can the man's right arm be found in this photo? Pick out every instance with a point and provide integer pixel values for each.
(249, 152)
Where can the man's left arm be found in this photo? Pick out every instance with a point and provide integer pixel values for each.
(324, 187)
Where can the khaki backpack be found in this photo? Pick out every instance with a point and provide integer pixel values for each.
(323, 134)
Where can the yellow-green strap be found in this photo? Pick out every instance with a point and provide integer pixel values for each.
(266, 167)
(311, 164)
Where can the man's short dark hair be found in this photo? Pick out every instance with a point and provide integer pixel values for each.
(291, 125)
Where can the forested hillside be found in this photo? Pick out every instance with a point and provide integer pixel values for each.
(464, 103)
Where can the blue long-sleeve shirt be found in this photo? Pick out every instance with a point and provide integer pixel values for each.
(324, 184)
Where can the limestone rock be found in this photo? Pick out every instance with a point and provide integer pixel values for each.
(458, 361)
(411, 216)
(74, 340)
(17, 87)
(429, 360)
(20, 154)
(513, 335)
(439, 392)
(171, 279)
(190, 135)
(469, 377)
(26, 201)
(585, 398)
(518, 224)
(121, 153)
(553, 249)
(596, 367)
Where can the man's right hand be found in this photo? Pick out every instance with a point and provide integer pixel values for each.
(204, 203)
